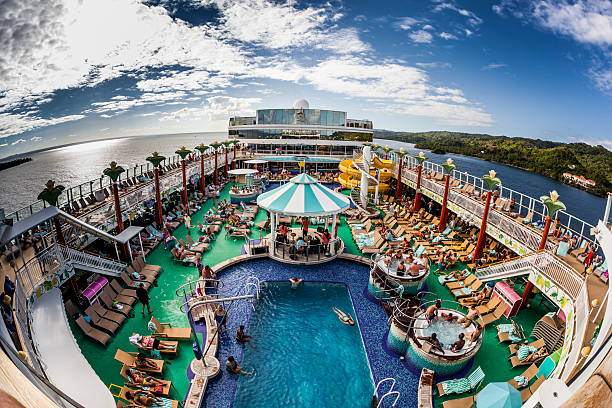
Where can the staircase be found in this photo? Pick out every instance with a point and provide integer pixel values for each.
(521, 265)
(91, 262)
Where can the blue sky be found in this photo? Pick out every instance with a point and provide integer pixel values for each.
(73, 70)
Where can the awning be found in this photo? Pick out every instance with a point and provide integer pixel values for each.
(242, 172)
(303, 195)
(255, 161)
(127, 234)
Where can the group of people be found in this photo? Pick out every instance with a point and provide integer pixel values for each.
(406, 262)
(316, 243)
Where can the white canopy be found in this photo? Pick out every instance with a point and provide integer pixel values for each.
(242, 172)
(255, 161)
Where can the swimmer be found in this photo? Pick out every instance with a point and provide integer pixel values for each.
(449, 317)
(343, 317)
(295, 282)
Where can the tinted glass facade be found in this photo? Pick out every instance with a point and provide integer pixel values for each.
(300, 134)
(300, 117)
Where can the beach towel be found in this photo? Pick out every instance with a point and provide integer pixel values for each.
(457, 386)
(563, 247)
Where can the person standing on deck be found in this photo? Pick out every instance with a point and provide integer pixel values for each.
(305, 225)
(143, 296)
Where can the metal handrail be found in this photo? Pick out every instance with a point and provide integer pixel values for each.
(217, 281)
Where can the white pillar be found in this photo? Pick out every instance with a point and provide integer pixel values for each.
(130, 251)
(141, 248)
(273, 230)
(377, 185)
(332, 250)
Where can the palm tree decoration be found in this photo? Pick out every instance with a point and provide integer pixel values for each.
(113, 172)
(50, 195)
(492, 181)
(226, 146)
(155, 159)
(552, 203)
(202, 148)
(386, 149)
(216, 146)
(448, 168)
(398, 191)
(184, 152)
(420, 158)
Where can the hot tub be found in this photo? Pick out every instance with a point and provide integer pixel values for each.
(384, 279)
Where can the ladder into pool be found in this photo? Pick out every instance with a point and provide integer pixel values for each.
(390, 392)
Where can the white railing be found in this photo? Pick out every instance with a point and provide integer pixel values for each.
(92, 262)
(544, 262)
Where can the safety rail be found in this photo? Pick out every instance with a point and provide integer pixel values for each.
(544, 262)
(194, 284)
(391, 391)
(91, 262)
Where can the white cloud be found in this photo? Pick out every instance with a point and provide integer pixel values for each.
(222, 107)
(494, 65)
(428, 27)
(433, 64)
(405, 23)
(448, 36)
(602, 78)
(468, 32)
(18, 141)
(16, 123)
(36, 139)
(473, 19)
(421, 36)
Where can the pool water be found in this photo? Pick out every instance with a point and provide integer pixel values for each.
(305, 357)
(447, 332)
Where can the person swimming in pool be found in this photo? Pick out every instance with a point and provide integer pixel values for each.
(343, 317)
(295, 282)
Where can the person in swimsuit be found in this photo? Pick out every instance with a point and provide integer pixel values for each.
(295, 282)
(232, 366)
(343, 317)
(151, 342)
(144, 363)
(142, 397)
(401, 268)
(140, 378)
(432, 311)
(433, 339)
(221, 318)
(243, 338)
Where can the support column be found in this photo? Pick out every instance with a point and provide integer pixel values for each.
(225, 167)
(482, 235)
(215, 177)
(202, 176)
(332, 250)
(543, 241)
(124, 247)
(183, 169)
(398, 189)
(444, 214)
(158, 207)
(417, 197)
(273, 231)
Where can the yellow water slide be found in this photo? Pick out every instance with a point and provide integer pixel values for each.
(350, 175)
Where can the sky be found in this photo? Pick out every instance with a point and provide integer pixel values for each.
(82, 70)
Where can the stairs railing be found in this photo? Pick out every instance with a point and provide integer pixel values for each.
(92, 262)
(388, 393)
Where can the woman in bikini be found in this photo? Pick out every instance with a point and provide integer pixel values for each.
(139, 378)
(343, 317)
(144, 398)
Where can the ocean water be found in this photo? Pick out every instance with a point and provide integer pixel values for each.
(72, 165)
(305, 356)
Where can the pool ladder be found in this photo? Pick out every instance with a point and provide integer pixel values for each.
(389, 393)
(252, 282)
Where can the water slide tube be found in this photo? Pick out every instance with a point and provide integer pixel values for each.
(350, 175)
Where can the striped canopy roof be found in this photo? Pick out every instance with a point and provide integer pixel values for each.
(303, 196)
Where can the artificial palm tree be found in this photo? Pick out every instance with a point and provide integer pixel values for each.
(491, 182)
(226, 146)
(50, 195)
(155, 159)
(184, 152)
(386, 149)
(202, 148)
(448, 169)
(113, 172)
(216, 146)
(420, 158)
(398, 190)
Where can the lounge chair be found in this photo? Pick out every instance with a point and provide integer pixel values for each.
(110, 304)
(100, 322)
(465, 402)
(528, 392)
(493, 316)
(140, 266)
(92, 332)
(467, 291)
(120, 291)
(489, 306)
(166, 384)
(172, 351)
(513, 348)
(462, 284)
(167, 332)
(529, 373)
(197, 246)
(461, 385)
(165, 402)
(115, 297)
(149, 275)
(118, 318)
(131, 283)
(129, 360)
(514, 360)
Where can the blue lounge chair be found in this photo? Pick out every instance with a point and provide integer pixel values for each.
(461, 385)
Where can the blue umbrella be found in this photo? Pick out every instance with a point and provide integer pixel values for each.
(499, 395)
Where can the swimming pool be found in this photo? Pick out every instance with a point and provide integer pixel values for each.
(305, 355)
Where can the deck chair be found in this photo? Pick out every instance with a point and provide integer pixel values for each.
(493, 316)
(118, 318)
(92, 332)
(148, 274)
(467, 291)
(130, 283)
(461, 385)
(199, 247)
(465, 402)
(517, 334)
(528, 218)
(166, 384)
(516, 362)
(167, 332)
(489, 306)
(165, 402)
(461, 284)
(528, 392)
(129, 360)
(173, 351)
(100, 322)
(529, 373)
(513, 348)
(114, 306)
(140, 266)
(115, 297)
(120, 291)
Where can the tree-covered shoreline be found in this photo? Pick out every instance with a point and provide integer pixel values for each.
(12, 163)
(550, 159)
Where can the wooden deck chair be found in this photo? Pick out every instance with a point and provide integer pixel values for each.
(142, 266)
(165, 403)
(100, 322)
(120, 291)
(115, 297)
(361, 220)
(494, 315)
(172, 351)
(464, 292)
(528, 374)
(528, 392)
(129, 359)
(167, 332)
(195, 246)
(516, 362)
(116, 307)
(130, 283)
(513, 348)
(465, 402)
(166, 384)
(92, 332)
(149, 274)
(462, 284)
(461, 385)
(489, 306)
(528, 218)
(118, 318)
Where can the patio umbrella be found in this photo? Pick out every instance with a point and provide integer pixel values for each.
(499, 395)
